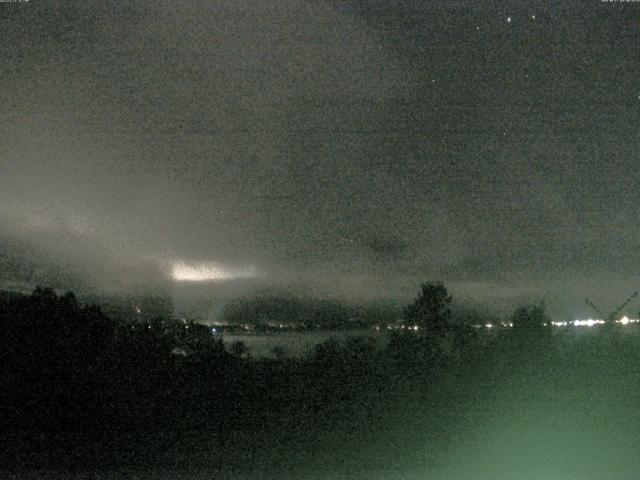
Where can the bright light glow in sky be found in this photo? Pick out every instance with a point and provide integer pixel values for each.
(209, 271)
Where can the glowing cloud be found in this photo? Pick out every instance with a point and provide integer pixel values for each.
(209, 272)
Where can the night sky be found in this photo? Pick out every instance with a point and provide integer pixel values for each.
(342, 149)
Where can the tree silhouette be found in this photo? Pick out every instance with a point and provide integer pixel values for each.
(430, 311)
(239, 348)
(279, 352)
(529, 318)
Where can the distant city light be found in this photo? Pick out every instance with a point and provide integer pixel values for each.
(589, 323)
(203, 272)
(577, 323)
(626, 320)
(592, 322)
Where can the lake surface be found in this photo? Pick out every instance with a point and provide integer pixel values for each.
(295, 344)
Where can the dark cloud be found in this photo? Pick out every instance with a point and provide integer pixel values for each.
(386, 248)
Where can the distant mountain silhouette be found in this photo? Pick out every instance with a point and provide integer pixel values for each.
(273, 310)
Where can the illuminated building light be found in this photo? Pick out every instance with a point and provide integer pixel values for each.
(489, 325)
(624, 320)
(588, 323)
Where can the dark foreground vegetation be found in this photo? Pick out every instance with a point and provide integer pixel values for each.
(80, 393)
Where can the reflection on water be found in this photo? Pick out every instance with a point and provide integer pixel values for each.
(295, 344)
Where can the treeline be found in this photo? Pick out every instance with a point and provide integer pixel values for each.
(68, 366)
(65, 367)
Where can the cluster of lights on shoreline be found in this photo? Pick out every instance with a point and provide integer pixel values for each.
(576, 323)
(494, 325)
(400, 327)
(592, 322)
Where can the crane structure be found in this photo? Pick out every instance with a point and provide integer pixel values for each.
(613, 315)
(589, 303)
